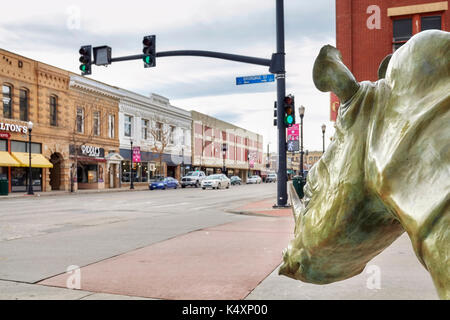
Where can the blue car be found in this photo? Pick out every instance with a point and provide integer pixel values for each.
(163, 183)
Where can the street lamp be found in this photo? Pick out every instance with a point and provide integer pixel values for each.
(131, 168)
(301, 112)
(182, 161)
(224, 153)
(323, 137)
(30, 178)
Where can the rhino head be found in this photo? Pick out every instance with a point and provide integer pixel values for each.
(370, 186)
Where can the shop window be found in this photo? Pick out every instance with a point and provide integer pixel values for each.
(128, 125)
(80, 120)
(3, 145)
(53, 111)
(96, 123)
(144, 133)
(7, 101)
(87, 173)
(431, 22)
(19, 179)
(23, 106)
(111, 128)
(21, 146)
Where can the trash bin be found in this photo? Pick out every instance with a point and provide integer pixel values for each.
(4, 187)
(299, 182)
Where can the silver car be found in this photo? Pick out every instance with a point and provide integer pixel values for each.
(254, 179)
(216, 181)
(193, 178)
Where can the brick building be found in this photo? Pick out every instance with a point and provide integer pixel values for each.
(46, 95)
(244, 149)
(369, 30)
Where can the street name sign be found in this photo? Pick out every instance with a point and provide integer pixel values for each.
(255, 79)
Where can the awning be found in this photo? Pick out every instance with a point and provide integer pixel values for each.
(37, 160)
(7, 161)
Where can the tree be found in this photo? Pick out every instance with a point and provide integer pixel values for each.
(162, 136)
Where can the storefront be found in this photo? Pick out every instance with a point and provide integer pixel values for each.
(15, 163)
(90, 166)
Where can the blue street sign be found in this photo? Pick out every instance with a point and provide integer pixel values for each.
(255, 79)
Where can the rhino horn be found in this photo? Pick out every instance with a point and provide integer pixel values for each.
(330, 74)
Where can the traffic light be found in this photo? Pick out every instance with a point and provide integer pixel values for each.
(85, 59)
(149, 51)
(289, 111)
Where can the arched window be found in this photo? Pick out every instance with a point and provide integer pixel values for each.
(23, 107)
(53, 110)
(7, 101)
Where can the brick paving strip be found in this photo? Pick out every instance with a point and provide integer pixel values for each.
(222, 262)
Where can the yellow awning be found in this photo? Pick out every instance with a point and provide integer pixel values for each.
(37, 160)
(7, 161)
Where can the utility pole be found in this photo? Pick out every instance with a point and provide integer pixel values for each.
(281, 93)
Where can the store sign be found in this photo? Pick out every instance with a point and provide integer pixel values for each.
(5, 135)
(88, 151)
(13, 127)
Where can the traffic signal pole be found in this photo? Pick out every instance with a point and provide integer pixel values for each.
(281, 93)
(276, 66)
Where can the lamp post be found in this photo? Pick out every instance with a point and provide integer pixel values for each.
(323, 137)
(30, 178)
(301, 112)
(224, 153)
(182, 161)
(131, 168)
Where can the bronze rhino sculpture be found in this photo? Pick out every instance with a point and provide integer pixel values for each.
(386, 171)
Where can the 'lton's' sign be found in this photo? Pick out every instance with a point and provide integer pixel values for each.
(13, 127)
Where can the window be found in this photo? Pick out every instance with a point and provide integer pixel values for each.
(7, 102)
(127, 123)
(111, 126)
(3, 145)
(96, 124)
(172, 134)
(144, 132)
(53, 111)
(23, 96)
(80, 120)
(403, 28)
(402, 32)
(159, 127)
(21, 146)
(431, 22)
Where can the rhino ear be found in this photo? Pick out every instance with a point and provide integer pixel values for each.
(330, 74)
(383, 66)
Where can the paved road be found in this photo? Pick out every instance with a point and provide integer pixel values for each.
(172, 244)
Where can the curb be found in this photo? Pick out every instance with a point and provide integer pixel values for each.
(251, 213)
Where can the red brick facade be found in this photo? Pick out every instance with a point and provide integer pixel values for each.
(364, 34)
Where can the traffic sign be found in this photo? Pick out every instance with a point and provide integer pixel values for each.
(255, 79)
(293, 146)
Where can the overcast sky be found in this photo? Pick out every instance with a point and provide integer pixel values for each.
(53, 31)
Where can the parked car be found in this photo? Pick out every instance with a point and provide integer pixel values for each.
(216, 181)
(193, 178)
(271, 177)
(235, 180)
(163, 183)
(254, 179)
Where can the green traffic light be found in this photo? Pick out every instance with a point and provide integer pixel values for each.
(289, 119)
(147, 59)
(83, 67)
